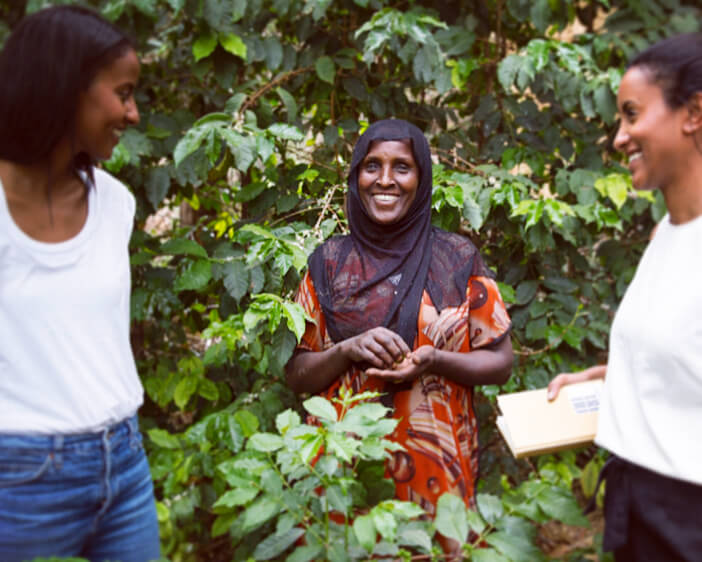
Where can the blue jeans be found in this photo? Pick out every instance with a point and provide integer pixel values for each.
(88, 495)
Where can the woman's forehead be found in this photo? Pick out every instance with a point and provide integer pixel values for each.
(394, 144)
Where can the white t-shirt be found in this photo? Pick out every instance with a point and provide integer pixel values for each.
(652, 404)
(66, 363)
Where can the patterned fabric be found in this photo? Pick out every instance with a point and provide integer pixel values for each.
(437, 425)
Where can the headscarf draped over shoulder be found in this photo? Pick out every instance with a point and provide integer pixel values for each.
(377, 274)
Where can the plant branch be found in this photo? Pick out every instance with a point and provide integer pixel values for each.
(272, 84)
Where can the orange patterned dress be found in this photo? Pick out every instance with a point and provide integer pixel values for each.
(438, 427)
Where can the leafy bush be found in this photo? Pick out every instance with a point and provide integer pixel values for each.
(249, 110)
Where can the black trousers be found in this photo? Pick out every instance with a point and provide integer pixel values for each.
(650, 517)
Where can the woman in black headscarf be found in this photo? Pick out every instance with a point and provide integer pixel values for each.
(406, 309)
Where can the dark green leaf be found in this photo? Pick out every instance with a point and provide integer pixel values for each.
(259, 512)
(157, 184)
(236, 279)
(276, 544)
(183, 246)
(325, 69)
(185, 389)
(195, 276)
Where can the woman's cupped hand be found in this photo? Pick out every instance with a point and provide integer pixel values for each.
(388, 354)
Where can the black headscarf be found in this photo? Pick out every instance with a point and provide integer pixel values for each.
(376, 276)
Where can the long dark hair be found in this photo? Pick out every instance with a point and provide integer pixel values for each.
(48, 60)
(675, 64)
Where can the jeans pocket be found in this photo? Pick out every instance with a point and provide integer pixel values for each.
(136, 441)
(22, 468)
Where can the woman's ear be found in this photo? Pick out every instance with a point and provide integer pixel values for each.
(693, 121)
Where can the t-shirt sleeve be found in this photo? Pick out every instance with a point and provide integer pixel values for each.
(488, 320)
(306, 297)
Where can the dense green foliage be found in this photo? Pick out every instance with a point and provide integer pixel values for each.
(249, 110)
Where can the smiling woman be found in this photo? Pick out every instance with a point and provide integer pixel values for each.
(407, 310)
(651, 419)
(387, 180)
(74, 480)
(107, 107)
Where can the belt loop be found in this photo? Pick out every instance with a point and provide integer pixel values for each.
(134, 424)
(57, 449)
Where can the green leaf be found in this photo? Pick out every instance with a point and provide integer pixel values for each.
(263, 509)
(233, 44)
(183, 246)
(490, 507)
(514, 547)
(147, 7)
(341, 446)
(158, 183)
(487, 555)
(451, 520)
(306, 553)
(558, 503)
(236, 433)
(507, 71)
(236, 279)
(473, 213)
(405, 509)
(185, 389)
(204, 46)
(237, 497)
(588, 481)
(614, 186)
(326, 69)
(295, 318)
(248, 422)
(605, 103)
(289, 103)
(385, 523)
(223, 522)
(265, 442)
(540, 13)
(287, 420)
(310, 448)
(364, 529)
(475, 521)
(164, 439)
(208, 390)
(120, 157)
(526, 291)
(320, 408)
(137, 144)
(416, 538)
(275, 544)
(285, 132)
(196, 276)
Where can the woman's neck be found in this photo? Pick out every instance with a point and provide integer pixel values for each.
(684, 197)
(32, 181)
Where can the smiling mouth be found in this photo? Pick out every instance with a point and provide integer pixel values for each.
(635, 156)
(385, 198)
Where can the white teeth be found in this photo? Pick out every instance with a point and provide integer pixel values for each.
(635, 156)
(385, 198)
(118, 132)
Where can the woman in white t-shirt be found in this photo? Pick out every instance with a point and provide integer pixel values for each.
(74, 480)
(651, 417)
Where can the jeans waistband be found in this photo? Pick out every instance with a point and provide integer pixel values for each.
(126, 427)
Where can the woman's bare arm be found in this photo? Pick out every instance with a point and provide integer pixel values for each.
(313, 371)
(563, 379)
